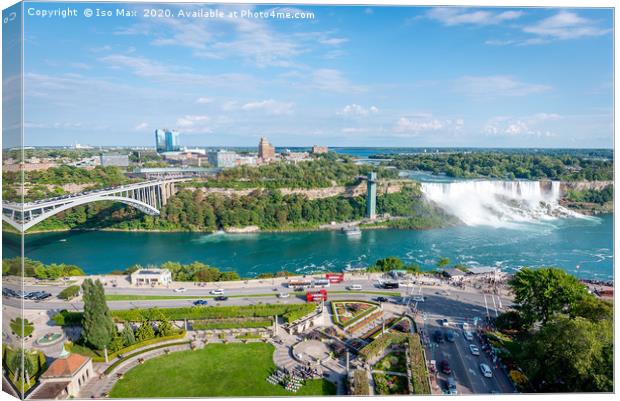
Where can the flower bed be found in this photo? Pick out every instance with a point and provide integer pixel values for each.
(393, 362)
(346, 313)
(386, 384)
(364, 321)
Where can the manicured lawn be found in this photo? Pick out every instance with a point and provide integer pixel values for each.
(217, 370)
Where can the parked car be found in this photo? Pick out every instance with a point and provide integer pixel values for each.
(182, 289)
(474, 350)
(486, 370)
(381, 299)
(445, 367)
(437, 336)
(221, 298)
(200, 302)
(468, 336)
(218, 291)
(450, 337)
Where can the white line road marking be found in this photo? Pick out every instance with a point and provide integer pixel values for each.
(499, 300)
(494, 306)
(486, 306)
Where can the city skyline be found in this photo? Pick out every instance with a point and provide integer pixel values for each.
(440, 77)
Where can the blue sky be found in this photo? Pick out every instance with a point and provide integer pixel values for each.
(350, 76)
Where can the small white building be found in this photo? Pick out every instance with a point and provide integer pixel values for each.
(151, 277)
(64, 377)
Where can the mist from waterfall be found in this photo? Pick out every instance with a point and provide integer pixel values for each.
(499, 203)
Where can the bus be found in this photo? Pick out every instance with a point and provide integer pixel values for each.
(335, 278)
(316, 295)
(321, 282)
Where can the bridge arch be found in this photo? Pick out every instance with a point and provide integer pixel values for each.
(142, 206)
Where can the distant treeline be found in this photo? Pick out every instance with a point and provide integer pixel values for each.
(267, 209)
(34, 268)
(507, 166)
(322, 172)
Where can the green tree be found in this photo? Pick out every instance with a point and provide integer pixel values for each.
(570, 355)
(164, 327)
(145, 331)
(542, 293)
(129, 338)
(98, 327)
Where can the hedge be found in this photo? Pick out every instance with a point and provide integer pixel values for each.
(376, 347)
(66, 318)
(248, 323)
(360, 384)
(69, 292)
(118, 362)
(98, 356)
(419, 374)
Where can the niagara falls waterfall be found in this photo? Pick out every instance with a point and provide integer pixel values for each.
(498, 203)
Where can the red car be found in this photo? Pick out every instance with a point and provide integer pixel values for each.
(445, 367)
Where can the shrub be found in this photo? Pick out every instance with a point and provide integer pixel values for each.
(376, 347)
(359, 383)
(69, 292)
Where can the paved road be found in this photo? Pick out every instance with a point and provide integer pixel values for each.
(462, 307)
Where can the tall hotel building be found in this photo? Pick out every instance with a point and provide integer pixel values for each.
(166, 140)
(266, 151)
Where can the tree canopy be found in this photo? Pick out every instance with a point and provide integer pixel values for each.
(97, 325)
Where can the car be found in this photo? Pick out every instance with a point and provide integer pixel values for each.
(42, 296)
(200, 302)
(445, 367)
(468, 336)
(474, 350)
(284, 295)
(486, 370)
(444, 322)
(354, 287)
(218, 291)
(220, 298)
(465, 326)
(381, 299)
(437, 336)
(450, 337)
(418, 299)
(182, 289)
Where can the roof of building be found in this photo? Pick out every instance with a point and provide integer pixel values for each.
(48, 390)
(153, 272)
(65, 367)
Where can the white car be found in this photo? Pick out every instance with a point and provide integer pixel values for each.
(474, 350)
(417, 299)
(180, 289)
(486, 370)
(465, 326)
(219, 291)
(355, 287)
(468, 336)
(283, 295)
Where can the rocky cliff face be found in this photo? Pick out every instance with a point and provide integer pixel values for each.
(583, 185)
(383, 187)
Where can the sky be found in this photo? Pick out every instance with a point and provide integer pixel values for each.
(341, 76)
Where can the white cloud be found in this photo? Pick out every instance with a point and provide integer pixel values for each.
(191, 124)
(204, 100)
(566, 25)
(532, 125)
(141, 127)
(269, 106)
(497, 85)
(354, 130)
(459, 16)
(427, 123)
(331, 80)
(334, 41)
(357, 110)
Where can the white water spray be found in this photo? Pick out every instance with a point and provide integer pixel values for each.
(498, 203)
